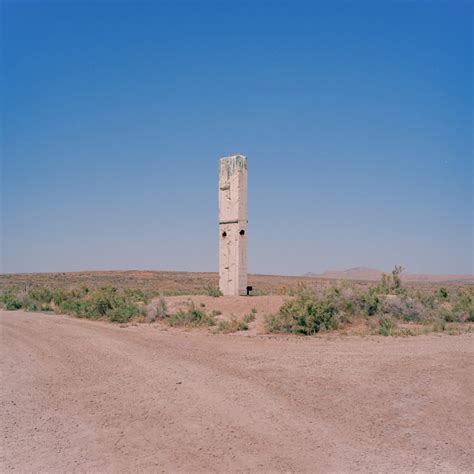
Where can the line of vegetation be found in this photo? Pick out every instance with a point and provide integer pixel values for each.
(108, 303)
(389, 307)
(389, 302)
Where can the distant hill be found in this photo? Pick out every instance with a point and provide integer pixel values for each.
(371, 274)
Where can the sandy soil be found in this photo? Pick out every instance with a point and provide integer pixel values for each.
(88, 396)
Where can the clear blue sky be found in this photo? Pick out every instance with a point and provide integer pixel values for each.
(356, 118)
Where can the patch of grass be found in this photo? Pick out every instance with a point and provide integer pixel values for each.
(232, 325)
(216, 312)
(248, 318)
(261, 292)
(439, 325)
(404, 332)
(213, 290)
(191, 317)
(386, 325)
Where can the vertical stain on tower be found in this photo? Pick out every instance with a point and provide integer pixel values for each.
(233, 225)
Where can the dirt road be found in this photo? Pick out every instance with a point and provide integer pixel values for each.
(87, 396)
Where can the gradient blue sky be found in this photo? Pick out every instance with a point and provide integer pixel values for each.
(356, 118)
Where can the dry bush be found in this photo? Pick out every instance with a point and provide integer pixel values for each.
(157, 311)
(233, 325)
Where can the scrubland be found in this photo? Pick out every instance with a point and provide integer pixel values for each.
(305, 306)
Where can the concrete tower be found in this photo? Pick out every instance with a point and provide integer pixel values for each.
(233, 225)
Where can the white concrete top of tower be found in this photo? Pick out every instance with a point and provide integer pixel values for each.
(237, 155)
(229, 164)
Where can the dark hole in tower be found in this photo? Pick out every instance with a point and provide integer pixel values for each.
(224, 234)
(242, 232)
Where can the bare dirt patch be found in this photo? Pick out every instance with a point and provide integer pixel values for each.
(89, 396)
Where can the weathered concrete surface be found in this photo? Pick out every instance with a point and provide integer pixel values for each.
(233, 225)
(82, 396)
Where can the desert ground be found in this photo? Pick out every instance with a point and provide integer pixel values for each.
(80, 395)
(172, 283)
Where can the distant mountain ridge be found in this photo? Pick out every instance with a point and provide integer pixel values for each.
(371, 274)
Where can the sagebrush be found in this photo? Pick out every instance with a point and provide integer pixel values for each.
(101, 303)
(313, 310)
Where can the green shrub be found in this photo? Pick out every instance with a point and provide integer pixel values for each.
(243, 326)
(370, 301)
(124, 313)
(104, 300)
(59, 296)
(397, 282)
(11, 302)
(449, 315)
(306, 314)
(103, 303)
(30, 305)
(463, 304)
(191, 317)
(138, 296)
(443, 294)
(392, 283)
(40, 295)
(79, 308)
